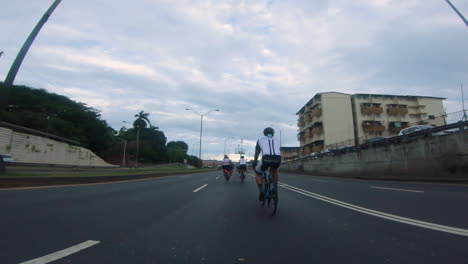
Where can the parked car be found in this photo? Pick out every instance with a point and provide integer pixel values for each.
(326, 152)
(414, 129)
(346, 149)
(7, 158)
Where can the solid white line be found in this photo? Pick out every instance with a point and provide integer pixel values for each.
(395, 189)
(203, 186)
(409, 221)
(62, 253)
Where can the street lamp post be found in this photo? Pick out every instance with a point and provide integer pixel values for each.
(201, 126)
(124, 150)
(458, 12)
(27, 44)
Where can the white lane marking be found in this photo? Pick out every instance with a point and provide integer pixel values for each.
(409, 221)
(217, 178)
(395, 189)
(319, 180)
(203, 186)
(62, 253)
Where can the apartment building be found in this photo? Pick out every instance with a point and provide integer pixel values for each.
(332, 119)
(326, 118)
(385, 115)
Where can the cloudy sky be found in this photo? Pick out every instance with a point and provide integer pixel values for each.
(258, 62)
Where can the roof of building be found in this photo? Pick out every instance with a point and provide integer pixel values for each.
(397, 95)
(364, 94)
(312, 99)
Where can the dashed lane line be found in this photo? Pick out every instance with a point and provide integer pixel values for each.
(395, 189)
(62, 253)
(201, 187)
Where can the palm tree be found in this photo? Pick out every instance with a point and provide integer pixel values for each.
(140, 122)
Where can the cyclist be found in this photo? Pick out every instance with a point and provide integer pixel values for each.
(227, 164)
(270, 148)
(242, 165)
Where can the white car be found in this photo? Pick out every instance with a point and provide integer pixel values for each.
(418, 128)
(7, 158)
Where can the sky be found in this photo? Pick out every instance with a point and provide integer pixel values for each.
(258, 62)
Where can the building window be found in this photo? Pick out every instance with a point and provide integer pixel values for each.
(431, 117)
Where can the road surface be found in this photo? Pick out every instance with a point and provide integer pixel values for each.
(200, 219)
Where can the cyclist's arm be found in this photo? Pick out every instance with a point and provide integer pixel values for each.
(257, 151)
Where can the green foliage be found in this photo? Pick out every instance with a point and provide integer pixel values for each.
(178, 144)
(55, 114)
(58, 115)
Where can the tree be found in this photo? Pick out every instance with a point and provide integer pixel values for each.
(140, 123)
(180, 144)
(142, 120)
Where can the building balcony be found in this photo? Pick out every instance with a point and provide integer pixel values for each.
(373, 128)
(395, 127)
(397, 111)
(368, 110)
(317, 148)
(317, 130)
(317, 112)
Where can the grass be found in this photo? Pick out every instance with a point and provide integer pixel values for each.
(92, 172)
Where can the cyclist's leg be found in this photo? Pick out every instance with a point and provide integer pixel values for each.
(275, 174)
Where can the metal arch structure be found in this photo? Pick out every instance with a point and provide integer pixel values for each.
(10, 78)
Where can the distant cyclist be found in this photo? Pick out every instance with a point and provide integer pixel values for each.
(270, 148)
(227, 164)
(242, 165)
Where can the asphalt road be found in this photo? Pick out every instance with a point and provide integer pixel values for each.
(319, 220)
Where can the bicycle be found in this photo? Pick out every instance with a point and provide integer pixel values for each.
(226, 175)
(270, 190)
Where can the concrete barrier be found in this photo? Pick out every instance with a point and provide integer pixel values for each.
(26, 148)
(429, 157)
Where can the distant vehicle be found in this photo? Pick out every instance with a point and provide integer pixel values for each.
(414, 129)
(7, 158)
(346, 149)
(312, 155)
(326, 152)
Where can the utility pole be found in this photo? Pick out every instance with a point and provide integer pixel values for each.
(10, 78)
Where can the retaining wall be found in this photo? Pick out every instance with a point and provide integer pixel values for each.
(430, 157)
(27, 148)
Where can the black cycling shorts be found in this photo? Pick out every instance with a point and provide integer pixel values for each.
(273, 161)
(227, 167)
(242, 167)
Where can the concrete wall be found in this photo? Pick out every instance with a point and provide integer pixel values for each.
(443, 157)
(34, 149)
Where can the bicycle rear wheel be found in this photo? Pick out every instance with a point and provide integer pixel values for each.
(274, 201)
